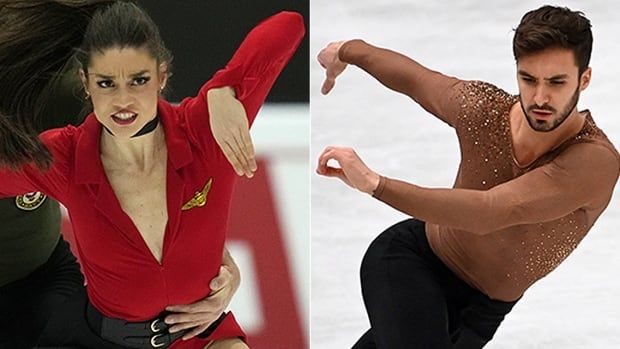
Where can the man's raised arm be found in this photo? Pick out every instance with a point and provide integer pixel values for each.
(432, 90)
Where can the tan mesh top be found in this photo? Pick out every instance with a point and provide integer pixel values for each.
(504, 226)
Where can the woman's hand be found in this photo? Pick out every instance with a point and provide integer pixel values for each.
(202, 314)
(328, 58)
(352, 170)
(229, 125)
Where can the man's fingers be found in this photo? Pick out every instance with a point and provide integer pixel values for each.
(321, 57)
(193, 333)
(330, 153)
(185, 308)
(210, 304)
(184, 326)
(223, 278)
(342, 156)
(328, 85)
(182, 318)
(334, 172)
(323, 159)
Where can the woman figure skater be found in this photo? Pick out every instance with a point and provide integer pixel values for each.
(147, 184)
(38, 271)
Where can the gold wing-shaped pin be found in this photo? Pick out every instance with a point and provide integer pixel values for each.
(200, 197)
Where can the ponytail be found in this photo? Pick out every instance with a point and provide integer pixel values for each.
(38, 41)
(17, 146)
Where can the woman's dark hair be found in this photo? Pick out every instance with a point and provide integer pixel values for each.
(40, 40)
(554, 27)
(122, 25)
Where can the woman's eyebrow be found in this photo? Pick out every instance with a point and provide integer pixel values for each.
(133, 75)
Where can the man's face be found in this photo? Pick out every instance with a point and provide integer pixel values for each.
(549, 87)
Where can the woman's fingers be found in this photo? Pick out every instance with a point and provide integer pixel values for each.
(236, 144)
(244, 154)
(249, 148)
(239, 151)
(232, 157)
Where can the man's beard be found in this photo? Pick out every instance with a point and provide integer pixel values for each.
(542, 126)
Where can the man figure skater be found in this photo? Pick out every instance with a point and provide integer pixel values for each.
(535, 174)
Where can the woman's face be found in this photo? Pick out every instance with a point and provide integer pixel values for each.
(124, 84)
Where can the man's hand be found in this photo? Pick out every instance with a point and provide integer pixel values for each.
(352, 169)
(229, 125)
(202, 314)
(328, 58)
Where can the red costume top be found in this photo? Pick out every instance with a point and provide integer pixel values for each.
(125, 280)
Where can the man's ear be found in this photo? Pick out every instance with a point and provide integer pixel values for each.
(584, 80)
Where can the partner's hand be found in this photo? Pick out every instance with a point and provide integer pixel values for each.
(328, 58)
(352, 170)
(202, 314)
(229, 125)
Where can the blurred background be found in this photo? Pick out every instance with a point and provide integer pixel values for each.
(577, 305)
(269, 225)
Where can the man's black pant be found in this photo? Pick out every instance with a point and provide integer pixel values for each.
(414, 301)
(47, 308)
(26, 305)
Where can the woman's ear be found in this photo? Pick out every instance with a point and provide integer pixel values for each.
(84, 81)
(163, 76)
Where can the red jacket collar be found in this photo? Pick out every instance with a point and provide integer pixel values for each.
(88, 166)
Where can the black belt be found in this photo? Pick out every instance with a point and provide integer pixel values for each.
(140, 335)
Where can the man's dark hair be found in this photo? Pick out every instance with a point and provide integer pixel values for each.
(554, 27)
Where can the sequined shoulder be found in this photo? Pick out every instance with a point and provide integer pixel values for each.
(590, 132)
(482, 99)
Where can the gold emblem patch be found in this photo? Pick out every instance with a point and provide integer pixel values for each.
(30, 201)
(200, 197)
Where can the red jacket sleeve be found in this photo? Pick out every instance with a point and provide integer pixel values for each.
(252, 71)
(29, 178)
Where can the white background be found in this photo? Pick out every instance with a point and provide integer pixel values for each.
(281, 135)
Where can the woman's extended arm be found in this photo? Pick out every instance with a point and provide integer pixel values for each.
(235, 94)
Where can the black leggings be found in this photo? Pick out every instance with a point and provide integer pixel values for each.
(26, 305)
(414, 301)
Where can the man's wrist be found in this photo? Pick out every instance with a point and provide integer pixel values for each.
(343, 50)
(380, 186)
